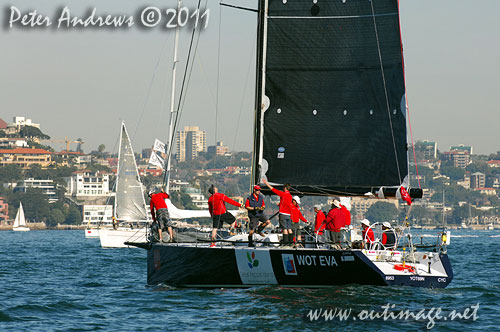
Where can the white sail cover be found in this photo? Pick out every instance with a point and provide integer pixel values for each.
(129, 201)
(20, 221)
(176, 213)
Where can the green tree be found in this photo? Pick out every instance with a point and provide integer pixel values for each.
(454, 173)
(56, 217)
(32, 132)
(10, 173)
(36, 172)
(382, 211)
(101, 148)
(187, 202)
(74, 216)
(36, 205)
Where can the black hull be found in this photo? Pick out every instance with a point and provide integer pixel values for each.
(190, 266)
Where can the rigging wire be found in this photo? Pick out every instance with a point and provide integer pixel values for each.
(181, 94)
(385, 90)
(217, 84)
(150, 85)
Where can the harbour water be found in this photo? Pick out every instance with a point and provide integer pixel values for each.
(60, 281)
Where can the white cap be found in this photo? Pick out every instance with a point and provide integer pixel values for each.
(297, 199)
(386, 224)
(317, 206)
(336, 202)
(151, 192)
(365, 222)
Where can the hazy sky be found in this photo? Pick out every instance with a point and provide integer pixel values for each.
(81, 83)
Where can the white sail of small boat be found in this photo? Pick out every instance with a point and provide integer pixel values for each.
(20, 221)
(130, 207)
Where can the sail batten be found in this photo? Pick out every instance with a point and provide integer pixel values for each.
(329, 121)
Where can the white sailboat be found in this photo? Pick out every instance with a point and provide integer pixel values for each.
(130, 207)
(20, 221)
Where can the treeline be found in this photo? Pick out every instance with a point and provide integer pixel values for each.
(36, 205)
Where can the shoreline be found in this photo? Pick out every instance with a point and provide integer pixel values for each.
(42, 227)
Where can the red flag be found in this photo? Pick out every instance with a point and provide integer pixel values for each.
(405, 196)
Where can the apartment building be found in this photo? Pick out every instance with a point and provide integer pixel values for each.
(25, 157)
(190, 142)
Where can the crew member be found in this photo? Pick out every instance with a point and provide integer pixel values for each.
(161, 218)
(334, 222)
(258, 220)
(319, 224)
(285, 210)
(217, 208)
(388, 235)
(347, 215)
(367, 233)
(296, 218)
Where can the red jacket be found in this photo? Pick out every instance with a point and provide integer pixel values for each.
(296, 214)
(285, 201)
(158, 202)
(335, 220)
(319, 226)
(216, 204)
(347, 215)
(370, 238)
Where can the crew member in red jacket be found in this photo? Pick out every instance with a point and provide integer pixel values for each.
(367, 233)
(296, 218)
(217, 208)
(334, 222)
(319, 224)
(347, 215)
(161, 219)
(285, 210)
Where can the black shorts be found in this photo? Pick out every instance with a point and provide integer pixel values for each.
(219, 220)
(285, 221)
(254, 221)
(296, 228)
(163, 218)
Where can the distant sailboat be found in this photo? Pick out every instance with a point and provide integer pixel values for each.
(20, 221)
(130, 206)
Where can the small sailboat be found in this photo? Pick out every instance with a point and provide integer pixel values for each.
(20, 221)
(130, 209)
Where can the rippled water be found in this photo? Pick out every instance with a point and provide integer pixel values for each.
(60, 281)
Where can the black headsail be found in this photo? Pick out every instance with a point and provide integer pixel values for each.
(330, 120)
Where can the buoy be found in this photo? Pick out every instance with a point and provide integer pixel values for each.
(404, 267)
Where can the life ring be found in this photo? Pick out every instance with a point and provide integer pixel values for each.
(401, 267)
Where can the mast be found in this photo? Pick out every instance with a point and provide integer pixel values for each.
(259, 91)
(172, 106)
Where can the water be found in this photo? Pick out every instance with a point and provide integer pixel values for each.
(60, 281)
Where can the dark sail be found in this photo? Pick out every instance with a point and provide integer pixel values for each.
(333, 124)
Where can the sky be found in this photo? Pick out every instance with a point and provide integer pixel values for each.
(81, 83)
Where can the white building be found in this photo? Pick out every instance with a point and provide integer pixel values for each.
(21, 121)
(197, 198)
(86, 184)
(48, 187)
(97, 214)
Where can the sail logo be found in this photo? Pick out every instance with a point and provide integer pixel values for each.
(252, 262)
(289, 264)
(281, 152)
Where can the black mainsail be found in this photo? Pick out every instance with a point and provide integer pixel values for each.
(331, 115)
